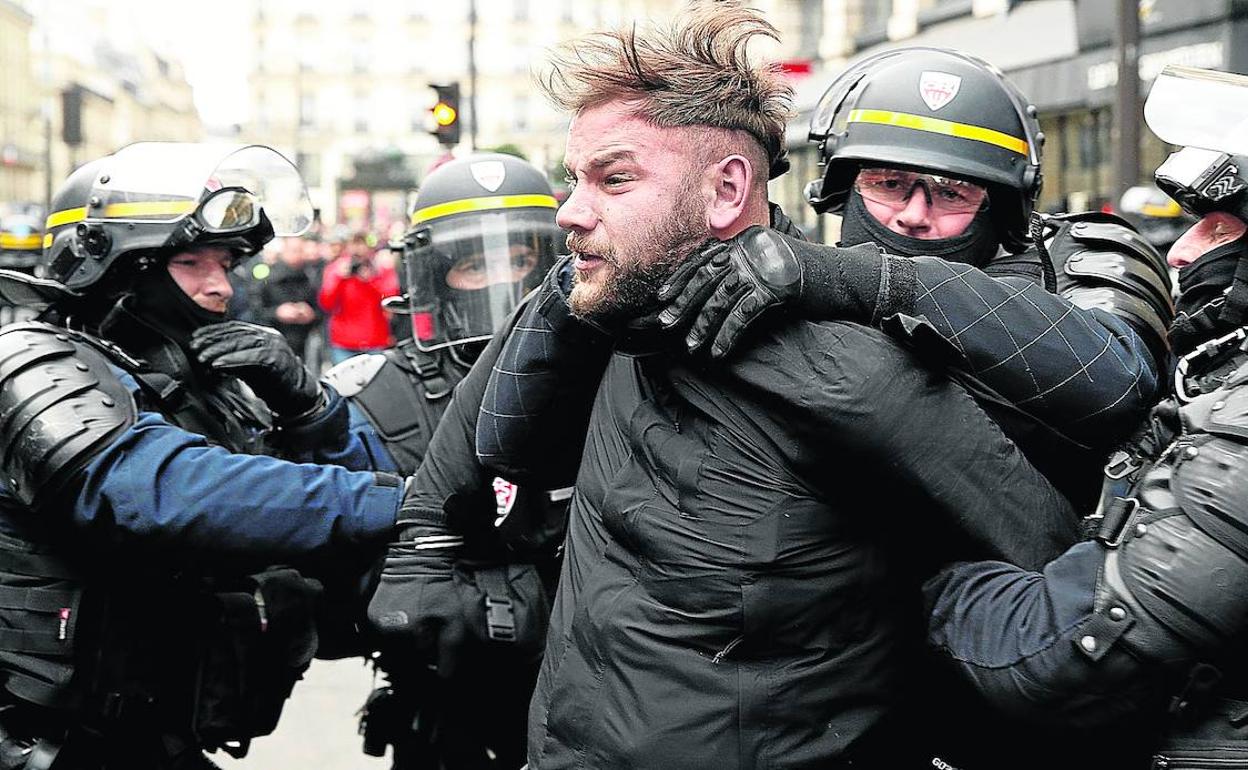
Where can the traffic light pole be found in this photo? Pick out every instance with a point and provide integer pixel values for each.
(1127, 112)
(472, 75)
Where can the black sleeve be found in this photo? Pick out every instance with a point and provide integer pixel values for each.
(450, 470)
(536, 406)
(1083, 372)
(868, 414)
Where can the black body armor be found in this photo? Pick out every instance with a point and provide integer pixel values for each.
(1176, 544)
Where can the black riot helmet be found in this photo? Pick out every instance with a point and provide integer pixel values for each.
(935, 110)
(21, 242)
(147, 200)
(482, 235)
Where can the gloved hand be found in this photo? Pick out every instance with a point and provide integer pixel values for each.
(416, 608)
(260, 357)
(723, 287)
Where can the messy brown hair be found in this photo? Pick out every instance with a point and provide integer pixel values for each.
(691, 72)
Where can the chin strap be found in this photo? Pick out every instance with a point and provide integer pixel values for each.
(1039, 228)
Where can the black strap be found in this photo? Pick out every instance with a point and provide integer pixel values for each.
(33, 642)
(430, 372)
(34, 564)
(1114, 521)
(1038, 228)
(500, 617)
(46, 600)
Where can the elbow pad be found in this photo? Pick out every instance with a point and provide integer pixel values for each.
(1101, 262)
(60, 404)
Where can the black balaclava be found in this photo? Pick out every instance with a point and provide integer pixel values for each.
(1201, 283)
(161, 302)
(977, 245)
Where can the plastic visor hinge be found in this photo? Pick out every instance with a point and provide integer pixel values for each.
(500, 619)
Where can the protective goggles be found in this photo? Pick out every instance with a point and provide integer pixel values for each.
(946, 195)
(229, 210)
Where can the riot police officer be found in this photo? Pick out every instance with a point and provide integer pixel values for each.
(482, 235)
(1144, 622)
(936, 157)
(143, 619)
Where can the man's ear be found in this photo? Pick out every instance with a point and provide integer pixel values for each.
(731, 180)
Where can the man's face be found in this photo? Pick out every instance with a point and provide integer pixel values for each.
(918, 205)
(201, 273)
(635, 210)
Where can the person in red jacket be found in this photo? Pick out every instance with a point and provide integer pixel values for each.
(352, 289)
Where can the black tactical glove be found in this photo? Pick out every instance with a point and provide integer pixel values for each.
(260, 357)
(416, 609)
(721, 289)
(725, 285)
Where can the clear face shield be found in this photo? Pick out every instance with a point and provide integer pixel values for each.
(1206, 114)
(467, 274)
(216, 190)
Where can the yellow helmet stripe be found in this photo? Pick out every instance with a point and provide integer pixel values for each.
(47, 240)
(123, 211)
(938, 126)
(66, 217)
(9, 241)
(483, 204)
(148, 209)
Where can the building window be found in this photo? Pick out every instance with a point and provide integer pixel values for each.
(522, 113)
(307, 109)
(309, 165)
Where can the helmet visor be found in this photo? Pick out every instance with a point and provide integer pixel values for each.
(477, 268)
(1199, 108)
(166, 182)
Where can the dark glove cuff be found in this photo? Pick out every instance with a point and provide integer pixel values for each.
(324, 425)
(846, 284)
(552, 305)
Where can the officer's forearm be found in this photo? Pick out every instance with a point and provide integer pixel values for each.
(536, 406)
(847, 284)
(1083, 372)
(1014, 635)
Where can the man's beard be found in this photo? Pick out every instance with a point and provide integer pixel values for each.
(627, 283)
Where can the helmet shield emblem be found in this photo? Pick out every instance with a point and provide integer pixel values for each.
(489, 174)
(938, 88)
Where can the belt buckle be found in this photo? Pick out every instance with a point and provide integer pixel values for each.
(500, 619)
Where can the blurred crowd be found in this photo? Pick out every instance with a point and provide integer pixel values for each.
(323, 291)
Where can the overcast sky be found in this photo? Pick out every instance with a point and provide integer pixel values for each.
(206, 37)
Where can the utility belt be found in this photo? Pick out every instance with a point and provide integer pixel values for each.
(209, 661)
